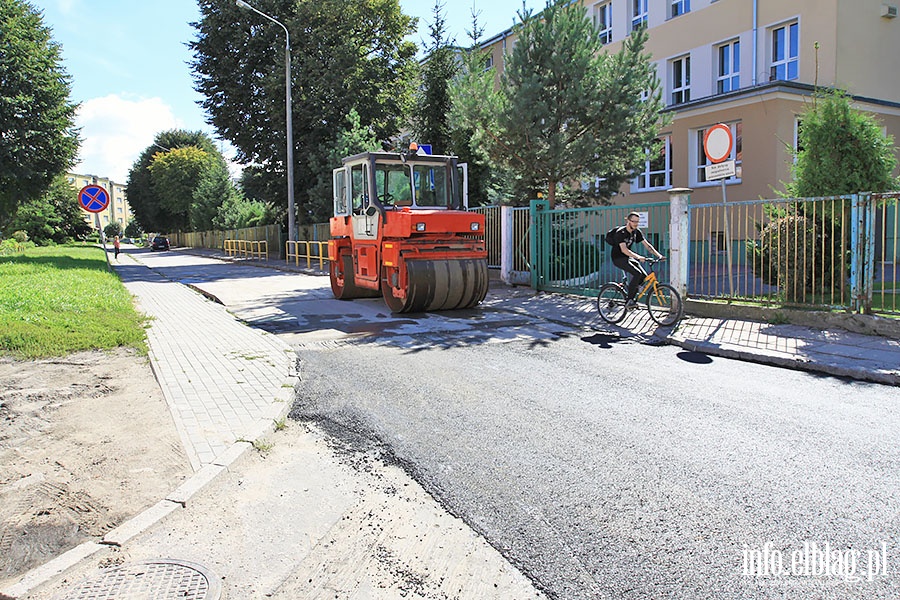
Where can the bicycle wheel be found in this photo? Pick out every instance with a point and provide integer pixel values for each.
(611, 303)
(664, 305)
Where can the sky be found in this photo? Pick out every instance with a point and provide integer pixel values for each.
(129, 64)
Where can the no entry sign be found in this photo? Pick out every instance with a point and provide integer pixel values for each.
(717, 143)
(93, 198)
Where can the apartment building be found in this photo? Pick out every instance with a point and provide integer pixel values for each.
(118, 209)
(752, 65)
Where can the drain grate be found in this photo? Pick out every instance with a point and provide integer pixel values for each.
(162, 579)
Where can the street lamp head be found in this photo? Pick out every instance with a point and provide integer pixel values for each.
(243, 4)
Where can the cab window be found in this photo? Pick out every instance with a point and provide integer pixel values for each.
(359, 193)
(432, 187)
(392, 184)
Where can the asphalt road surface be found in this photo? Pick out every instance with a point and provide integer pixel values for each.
(603, 467)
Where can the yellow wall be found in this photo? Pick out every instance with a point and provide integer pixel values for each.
(857, 49)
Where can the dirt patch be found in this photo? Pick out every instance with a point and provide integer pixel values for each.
(86, 442)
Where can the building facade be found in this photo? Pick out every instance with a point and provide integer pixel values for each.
(118, 209)
(752, 65)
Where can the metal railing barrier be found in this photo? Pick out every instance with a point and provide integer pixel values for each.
(304, 249)
(247, 248)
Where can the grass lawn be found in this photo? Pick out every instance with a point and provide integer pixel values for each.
(63, 299)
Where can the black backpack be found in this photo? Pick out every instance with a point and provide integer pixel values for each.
(611, 236)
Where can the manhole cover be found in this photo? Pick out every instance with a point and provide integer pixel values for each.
(162, 579)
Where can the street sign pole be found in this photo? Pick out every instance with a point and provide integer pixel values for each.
(727, 241)
(717, 145)
(95, 199)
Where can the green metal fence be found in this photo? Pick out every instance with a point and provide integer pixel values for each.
(833, 252)
(568, 251)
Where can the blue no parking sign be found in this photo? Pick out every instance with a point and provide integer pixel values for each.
(93, 198)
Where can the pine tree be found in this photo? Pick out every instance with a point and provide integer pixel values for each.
(568, 109)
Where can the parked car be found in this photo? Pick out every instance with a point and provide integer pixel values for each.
(159, 243)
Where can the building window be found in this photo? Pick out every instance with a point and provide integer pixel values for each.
(489, 62)
(638, 14)
(681, 80)
(737, 154)
(656, 172)
(679, 7)
(717, 242)
(603, 21)
(729, 69)
(785, 53)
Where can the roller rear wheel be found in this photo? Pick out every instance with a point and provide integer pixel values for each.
(343, 284)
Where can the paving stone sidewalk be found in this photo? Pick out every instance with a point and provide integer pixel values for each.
(223, 381)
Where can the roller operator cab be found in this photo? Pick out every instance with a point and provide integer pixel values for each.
(401, 229)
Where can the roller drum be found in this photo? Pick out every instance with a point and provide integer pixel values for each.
(441, 285)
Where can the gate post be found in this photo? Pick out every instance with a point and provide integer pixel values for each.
(862, 252)
(506, 244)
(539, 241)
(679, 238)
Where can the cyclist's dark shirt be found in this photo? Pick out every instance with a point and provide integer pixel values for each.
(622, 235)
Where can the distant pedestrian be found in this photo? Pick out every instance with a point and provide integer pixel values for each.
(116, 246)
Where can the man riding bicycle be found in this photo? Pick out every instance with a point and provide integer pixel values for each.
(623, 239)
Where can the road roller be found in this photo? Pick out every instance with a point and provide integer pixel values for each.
(401, 229)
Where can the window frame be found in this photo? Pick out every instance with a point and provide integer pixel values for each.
(606, 34)
(679, 7)
(700, 162)
(733, 77)
(642, 183)
(683, 91)
(639, 14)
(788, 57)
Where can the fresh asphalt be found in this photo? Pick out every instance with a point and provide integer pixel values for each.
(271, 301)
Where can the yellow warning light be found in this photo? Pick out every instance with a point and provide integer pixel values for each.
(413, 147)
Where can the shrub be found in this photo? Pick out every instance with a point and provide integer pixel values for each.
(789, 254)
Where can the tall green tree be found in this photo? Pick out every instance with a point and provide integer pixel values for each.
(842, 151)
(166, 209)
(54, 217)
(345, 55)
(474, 105)
(568, 109)
(431, 116)
(38, 139)
(175, 176)
(352, 139)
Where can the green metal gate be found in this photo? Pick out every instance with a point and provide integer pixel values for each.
(568, 251)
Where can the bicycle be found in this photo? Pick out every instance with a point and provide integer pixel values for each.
(662, 300)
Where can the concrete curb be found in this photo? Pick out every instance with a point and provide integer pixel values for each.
(858, 373)
(815, 319)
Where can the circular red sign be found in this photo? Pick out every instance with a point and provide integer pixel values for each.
(93, 198)
(717, 143)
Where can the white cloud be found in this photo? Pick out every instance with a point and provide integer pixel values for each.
(115, 130)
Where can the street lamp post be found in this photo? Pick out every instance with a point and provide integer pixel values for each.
(287, 107)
